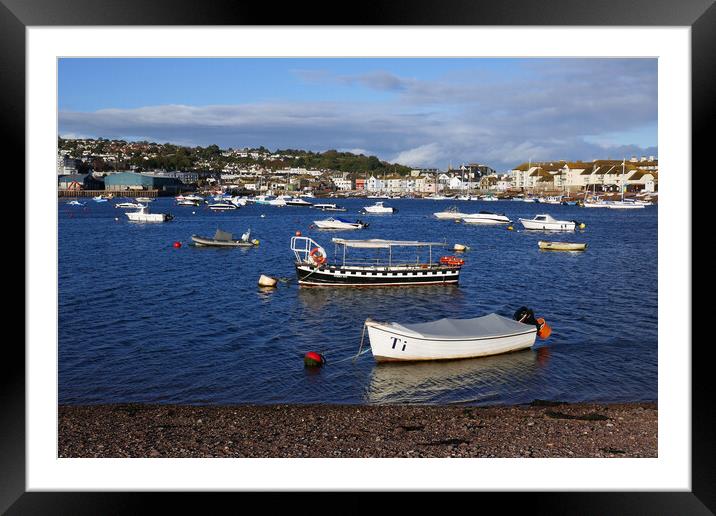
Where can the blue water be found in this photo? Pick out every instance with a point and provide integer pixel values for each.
(141, 321)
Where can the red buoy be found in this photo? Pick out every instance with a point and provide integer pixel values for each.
(298, 233)
(177, 245)
(313, 359)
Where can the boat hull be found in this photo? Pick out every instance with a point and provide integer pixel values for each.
(450, 215)
(561, 246)
(561, 225)
(148, 217)
(209, 242)
(337, 226)
(489, 220)
(390, 345)
(329, 276)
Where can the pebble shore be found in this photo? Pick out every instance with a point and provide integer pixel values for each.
(541, 429)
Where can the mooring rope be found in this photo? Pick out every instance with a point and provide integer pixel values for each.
(362, 337)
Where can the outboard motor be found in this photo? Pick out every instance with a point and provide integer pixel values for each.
(527, 316)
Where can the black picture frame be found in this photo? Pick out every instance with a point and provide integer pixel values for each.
(699, 15)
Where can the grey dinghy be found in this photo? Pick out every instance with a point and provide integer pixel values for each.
(224, 239)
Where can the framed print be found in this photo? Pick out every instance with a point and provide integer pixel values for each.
(197, 322)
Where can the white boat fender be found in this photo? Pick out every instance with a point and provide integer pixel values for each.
(266, 281)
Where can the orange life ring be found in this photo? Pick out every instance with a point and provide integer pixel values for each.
(320, 259)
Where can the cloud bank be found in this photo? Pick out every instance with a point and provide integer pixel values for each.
(570, 109)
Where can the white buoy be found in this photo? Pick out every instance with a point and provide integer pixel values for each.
(266, 281)
(262, 215)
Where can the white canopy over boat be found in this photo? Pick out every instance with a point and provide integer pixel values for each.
(377, 243)
(492, 325)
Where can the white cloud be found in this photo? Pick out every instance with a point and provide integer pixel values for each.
(422, 156)
(565, 109)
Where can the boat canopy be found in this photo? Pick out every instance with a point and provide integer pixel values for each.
(492, 325)
(376, 243)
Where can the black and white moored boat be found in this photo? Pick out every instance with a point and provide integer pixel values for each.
(393, 268)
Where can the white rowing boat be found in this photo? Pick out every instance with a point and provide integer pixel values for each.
(448, 339)
(561, 246)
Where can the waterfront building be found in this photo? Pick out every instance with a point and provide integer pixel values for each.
(79, 182)
(133, 181)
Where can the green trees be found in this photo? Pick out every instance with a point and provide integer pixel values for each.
(151, 155)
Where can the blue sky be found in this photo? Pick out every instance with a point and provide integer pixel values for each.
(420, 112)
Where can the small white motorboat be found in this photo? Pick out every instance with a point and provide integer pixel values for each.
(338, 223)
(278, 201)
(486, 217)
(143, 215)
(99, 198)
(450, 339)
(379, 207)
(625, 205)
(328, 207)
(128, 205)
(451, 213)
(144, 200)
(548, 223)
(297, 201)
(75, 203)
(222, 206)
(188, 202)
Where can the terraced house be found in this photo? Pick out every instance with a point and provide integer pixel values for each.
(576, 176)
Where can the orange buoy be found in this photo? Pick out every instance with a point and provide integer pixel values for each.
(298, 233)
(543, 330)
(313, 359)
(177, 245)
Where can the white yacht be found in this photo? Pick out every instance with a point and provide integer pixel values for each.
(128, 205)
(222, 206)
(338, 223)
(297, 201)
(278, 201)
(328, 207)
(547, 222)
(143, 215)
(379, 207)
(451, 213)
(486, 217)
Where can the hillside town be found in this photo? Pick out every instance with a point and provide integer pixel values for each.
(117, 165)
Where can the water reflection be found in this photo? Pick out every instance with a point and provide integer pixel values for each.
(382, 301)
(472, 380)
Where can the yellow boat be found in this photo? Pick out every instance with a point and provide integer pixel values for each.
(561, 246)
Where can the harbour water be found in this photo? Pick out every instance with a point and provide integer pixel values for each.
(142, 321)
